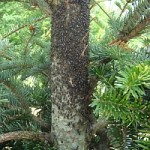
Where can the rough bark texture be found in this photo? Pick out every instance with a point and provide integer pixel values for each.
(69, 73)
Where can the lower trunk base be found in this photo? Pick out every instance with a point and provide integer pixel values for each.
(70, 132)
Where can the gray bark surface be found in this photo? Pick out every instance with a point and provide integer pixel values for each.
(69, 74)
(71, 116)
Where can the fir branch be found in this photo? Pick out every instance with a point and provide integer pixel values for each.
(137, 29)
(13, 65)
(26, 116)
(135, 21)
(4, 46)
(135, 32)
(6, 57)
(37, 69)
(2, 54)
(25, 25)
(21, 115)
(20, 97)
(10, 119)
(17, 135)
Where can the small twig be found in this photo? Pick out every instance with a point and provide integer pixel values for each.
(45, 74)
(29, 40)
(86, 34)
(102, 9)
(124, 7)
(92, 19)
(83, 52)
(92, 6)
(85, 46)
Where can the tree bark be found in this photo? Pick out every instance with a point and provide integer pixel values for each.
(69, 74)
(71, 117)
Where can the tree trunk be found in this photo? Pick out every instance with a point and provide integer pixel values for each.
(71, 121)
(69, 74)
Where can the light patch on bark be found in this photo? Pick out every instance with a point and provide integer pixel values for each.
(67, 136)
